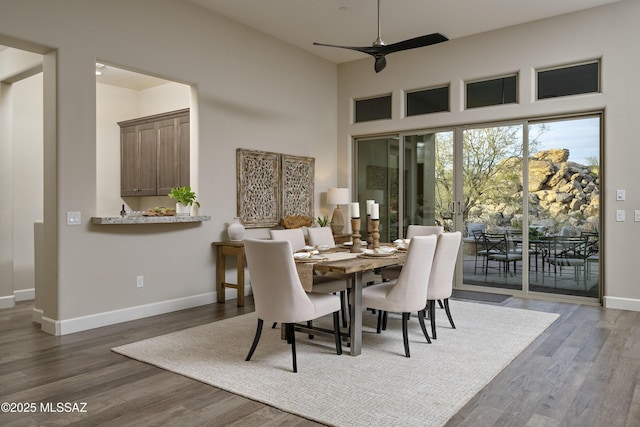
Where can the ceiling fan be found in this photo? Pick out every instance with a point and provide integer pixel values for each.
(379, 49)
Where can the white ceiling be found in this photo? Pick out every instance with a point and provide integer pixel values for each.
(355, 22)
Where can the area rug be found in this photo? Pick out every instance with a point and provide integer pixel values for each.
(380, 387)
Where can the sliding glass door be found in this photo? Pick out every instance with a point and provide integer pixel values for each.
(427, 184)
(525, 195)
(564, 207)
(377, 179)
(492, 204)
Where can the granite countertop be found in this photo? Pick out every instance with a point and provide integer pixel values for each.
(111, 220)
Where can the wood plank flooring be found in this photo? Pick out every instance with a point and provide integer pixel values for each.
(583, 371)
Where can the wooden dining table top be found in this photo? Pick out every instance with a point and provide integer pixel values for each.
(358, 262)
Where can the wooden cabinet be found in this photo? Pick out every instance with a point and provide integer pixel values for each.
(154, 154)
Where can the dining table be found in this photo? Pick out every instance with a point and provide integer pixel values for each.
(356, 265)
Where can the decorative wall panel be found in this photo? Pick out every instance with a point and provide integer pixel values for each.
(297, 185)
(258, 188)
(271, 186)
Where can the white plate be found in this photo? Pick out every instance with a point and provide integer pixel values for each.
(381, 251)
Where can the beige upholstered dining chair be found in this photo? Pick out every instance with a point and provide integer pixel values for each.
(327, 284)
(295, 236)
(408, 293)
(413, 230)
(321, 236)
(423, 230)
(441, 278)
(278, 294)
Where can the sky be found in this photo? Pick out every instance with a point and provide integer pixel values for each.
(580, 136)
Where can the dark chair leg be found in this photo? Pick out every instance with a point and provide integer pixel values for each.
(405, 333)
(274, 325)
(336, 332)
(379, 328)
(440, 303)
(292, 338)
(255, 340)
(421, 315)
(385, 317)
(343, 308)
(432, 317)
(446, 309)
(310, 325)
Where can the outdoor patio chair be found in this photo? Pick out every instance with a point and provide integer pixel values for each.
(570, 252)
(499, 248)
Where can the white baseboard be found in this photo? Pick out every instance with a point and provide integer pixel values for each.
(25, 294)
(8, 301)
(36, 316)
(622, 303)
(69, 326)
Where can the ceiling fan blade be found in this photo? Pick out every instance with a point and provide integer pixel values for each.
(371, 50)
(380, 63)
(414, 43)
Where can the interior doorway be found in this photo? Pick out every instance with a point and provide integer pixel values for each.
(21, 169)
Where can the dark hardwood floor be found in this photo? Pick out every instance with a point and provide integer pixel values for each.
(583, 371)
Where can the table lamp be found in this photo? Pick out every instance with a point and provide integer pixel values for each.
(337, 196)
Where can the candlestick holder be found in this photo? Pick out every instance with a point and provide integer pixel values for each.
(375, 234)
(355, 237)
(369, 238)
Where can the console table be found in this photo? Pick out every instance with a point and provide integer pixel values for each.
(224, 249)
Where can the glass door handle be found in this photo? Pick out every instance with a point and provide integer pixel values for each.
(455, 208)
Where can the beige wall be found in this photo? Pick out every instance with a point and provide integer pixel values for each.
(608, 33)
(252, 92)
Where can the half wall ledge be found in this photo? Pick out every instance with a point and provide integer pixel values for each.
(118, 220)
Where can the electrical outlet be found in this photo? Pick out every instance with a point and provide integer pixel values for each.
(620, 215)
(620, 195)
(140, 281)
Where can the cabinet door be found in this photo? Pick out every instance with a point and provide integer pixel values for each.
(168, 157)
(129, 155)
(148, 162)
(184, 142)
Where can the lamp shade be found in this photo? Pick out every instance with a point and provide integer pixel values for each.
(337, 196)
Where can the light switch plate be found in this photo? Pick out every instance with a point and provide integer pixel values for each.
(74, 218)
(620, 195)
(636, 217)
(620, 215)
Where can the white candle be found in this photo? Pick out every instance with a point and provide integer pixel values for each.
(369, 203)
(355, 210)
(375, 211)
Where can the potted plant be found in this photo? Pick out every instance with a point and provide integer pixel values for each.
(323, 221)
(184, 198)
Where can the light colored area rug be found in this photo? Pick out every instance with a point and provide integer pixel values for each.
(380, 387)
